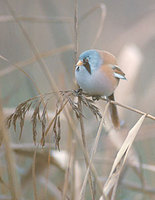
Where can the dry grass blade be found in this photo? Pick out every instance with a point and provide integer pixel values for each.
(103, 14)
(23, 108)
(2, 182)
(36, 19)
(74, 106)
(135, 187)
(33, 59)
(25, 73)
(56, 121)
(75, 30)
(56, 130)
(78, 138)
(43, 123)
(34, 49)
(34, 175)
(24, 111)
(52, 189)
(121, 157)
(12, 177)
(70, 166)
(19, 113)
(89, 103)
(59, 133)
(84, 143)
(94, 151)
(89, 12)
(34, 120)
(65, 97)
(3, 58)
(28, 116)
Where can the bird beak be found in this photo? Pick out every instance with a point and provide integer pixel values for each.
(79, 63)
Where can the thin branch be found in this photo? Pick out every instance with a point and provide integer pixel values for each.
(130, 108)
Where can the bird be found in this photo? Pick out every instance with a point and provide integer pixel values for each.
(98, 74)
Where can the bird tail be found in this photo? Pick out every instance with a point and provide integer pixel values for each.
(114, 113)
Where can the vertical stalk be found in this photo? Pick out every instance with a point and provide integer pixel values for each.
(85, 146)
(14, 185)
(75, 31)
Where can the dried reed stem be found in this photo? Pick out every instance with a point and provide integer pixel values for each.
(94, 150)
(34, 175)
(76, 133)
(86, 149)
(121, 158)
(68, 172)
(26, 74)
(52, 121)
(130, 108)
(51, 187)
(76, 31)
(36, 19)
(33, 59)
(100, 27)
(14, 185)
(33, 48)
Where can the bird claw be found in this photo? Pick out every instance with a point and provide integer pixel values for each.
(95, 98)
(78, 91)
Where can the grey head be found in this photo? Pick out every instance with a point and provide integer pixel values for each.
(91, 60)
(85, 71)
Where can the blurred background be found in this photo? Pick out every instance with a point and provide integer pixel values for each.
(37, 45)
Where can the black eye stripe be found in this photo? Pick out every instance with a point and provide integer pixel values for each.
(77, 68)
(87, 65)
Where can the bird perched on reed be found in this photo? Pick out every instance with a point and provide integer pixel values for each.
(98, 74)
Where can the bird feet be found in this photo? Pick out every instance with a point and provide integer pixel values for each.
(96, 98)
(78, 91)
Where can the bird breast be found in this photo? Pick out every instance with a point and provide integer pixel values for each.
(96, 83)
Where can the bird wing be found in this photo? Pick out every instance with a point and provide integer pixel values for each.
(118, 73)
(110, 59)
(107, 57)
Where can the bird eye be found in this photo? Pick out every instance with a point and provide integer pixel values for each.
(85, 60)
